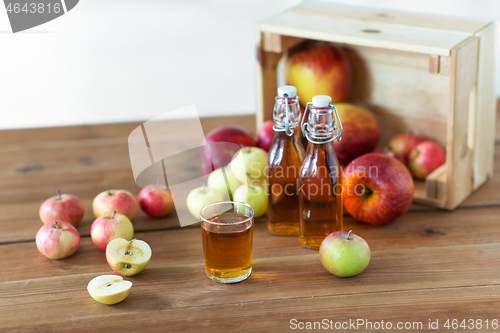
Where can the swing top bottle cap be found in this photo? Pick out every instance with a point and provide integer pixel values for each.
(321, 101)
(291, 91)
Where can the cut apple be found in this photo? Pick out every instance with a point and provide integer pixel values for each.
(128, 257)
(109, 289)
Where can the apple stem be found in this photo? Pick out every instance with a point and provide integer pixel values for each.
(58, 195)
(130, 241)
(113, 215)
(109, 192)
(56, 225)
(349, 235)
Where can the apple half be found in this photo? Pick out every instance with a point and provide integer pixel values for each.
(109, 289)
(128, 257)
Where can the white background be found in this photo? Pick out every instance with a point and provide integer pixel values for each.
(127, 60)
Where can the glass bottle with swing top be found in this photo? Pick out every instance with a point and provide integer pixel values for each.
(285, 161)
(320, 191)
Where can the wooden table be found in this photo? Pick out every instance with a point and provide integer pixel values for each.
(429, 264)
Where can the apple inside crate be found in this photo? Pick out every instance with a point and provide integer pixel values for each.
(431, 76)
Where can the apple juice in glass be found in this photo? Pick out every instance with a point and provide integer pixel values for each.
(285, 160)
(320, 192)
(227, 234)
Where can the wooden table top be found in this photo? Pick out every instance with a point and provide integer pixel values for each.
(429, 264)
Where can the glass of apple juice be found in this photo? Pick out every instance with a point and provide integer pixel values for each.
(227, 233)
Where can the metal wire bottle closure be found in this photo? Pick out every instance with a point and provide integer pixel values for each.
(288, 130)
(338, 129)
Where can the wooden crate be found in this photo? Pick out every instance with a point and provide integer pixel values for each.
(430, 75)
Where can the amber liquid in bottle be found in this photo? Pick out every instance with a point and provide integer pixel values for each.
(285, 161)
(227, 248)
(320, 195)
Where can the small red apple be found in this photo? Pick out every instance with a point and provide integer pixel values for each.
(108, 227)
(344, 254)
(57, 239)
(121, 201)
(426, 157)
(403, 144)
(389, 152)
(156, 201)
(323, 70)
(224, 142)
(361, 132)
(266, 135)
(65, 207)
(377, 189)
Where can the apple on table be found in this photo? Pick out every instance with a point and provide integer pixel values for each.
(57, 239)
(109, 289)
(377, 189)
(128, 257)
(108, 227)
(344, 254)
(65, 207)
(224, 181)
(255, 196)
(121, 201)
(249, 164)
(156, 201)
(200, 197)
(223, 142)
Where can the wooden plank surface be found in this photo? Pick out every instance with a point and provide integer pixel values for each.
(429, 264)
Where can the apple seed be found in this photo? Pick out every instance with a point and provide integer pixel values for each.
(127, 265)
(58, 195)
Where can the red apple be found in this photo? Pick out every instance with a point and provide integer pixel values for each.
(403, 144)
(108, 227)
(224, 142)
(426, 157)
(361, 132)
(121, 201)
(391, 153)
(377, 189)
(344, 254)
(266, 135)
(323, 70)
(57, 239)
(156, 201)
(64, 207)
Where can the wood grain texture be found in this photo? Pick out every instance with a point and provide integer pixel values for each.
(428, 264)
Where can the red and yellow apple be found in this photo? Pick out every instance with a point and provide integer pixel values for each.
(108, 227)
(121, 201)
(403, 144)
(377, 189)
(426, 157)
(57, 239)
(361, 132)
(344, 254)
(156, 201)
(323, 70)
(223, 142)
(266, 135)
(65, 207)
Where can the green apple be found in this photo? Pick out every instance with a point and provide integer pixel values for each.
(344, 254)
(200, 197)
(249, 162)
(128, 257)
(109, 289)
(217, 181)
(255, 196)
